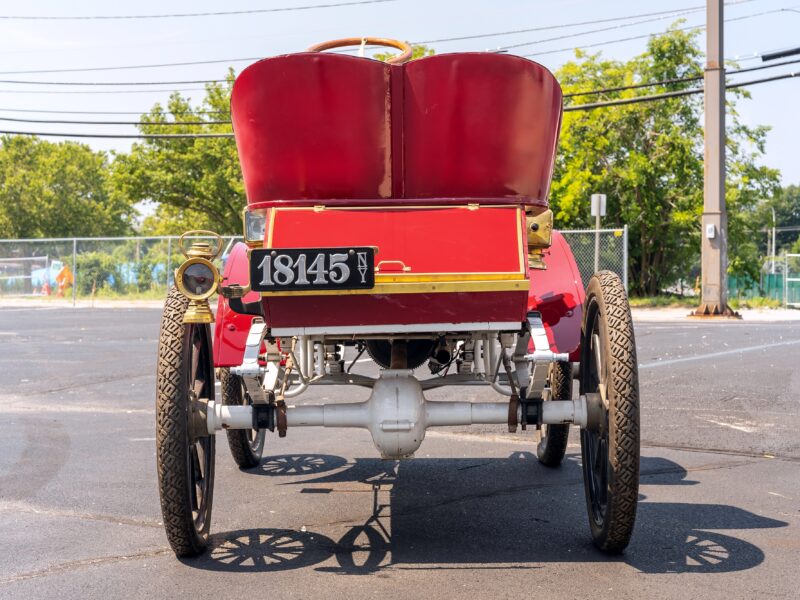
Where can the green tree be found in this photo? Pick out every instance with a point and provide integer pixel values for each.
(786, 205)
(648, 158)
(417, 51)
(195, 183)
(56, 190)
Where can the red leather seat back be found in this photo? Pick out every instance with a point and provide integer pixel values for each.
(325, 126)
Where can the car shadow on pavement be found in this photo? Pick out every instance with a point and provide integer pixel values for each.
(472, 513)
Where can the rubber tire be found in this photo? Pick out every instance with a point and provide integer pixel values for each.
(553, 445)
(172, 434)
(607, 295)
(243, 453)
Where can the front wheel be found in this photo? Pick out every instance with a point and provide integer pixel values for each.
(610, 452)
(184, 453)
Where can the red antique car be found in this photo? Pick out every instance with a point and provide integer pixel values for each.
(400, 210)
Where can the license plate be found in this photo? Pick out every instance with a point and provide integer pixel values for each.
(296, 269)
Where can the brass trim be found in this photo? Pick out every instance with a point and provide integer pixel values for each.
(445, 277)
(519, 241)
(426, 287)
(179, 278)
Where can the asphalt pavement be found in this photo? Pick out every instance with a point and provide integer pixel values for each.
(473, 515)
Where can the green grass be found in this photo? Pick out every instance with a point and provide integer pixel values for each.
(757, 302)
(664, 301)
(672, 301)
(108, 294)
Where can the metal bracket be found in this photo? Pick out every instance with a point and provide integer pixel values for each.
(259, 381)
(541, 344)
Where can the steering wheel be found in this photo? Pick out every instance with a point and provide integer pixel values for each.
(401, 58)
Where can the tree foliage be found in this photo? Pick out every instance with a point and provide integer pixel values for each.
(786, 205)
(648, 158)
(56, 190)
(194, 183)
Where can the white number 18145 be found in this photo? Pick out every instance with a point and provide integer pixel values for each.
(284, 270)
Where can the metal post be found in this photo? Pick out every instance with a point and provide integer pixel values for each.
(714, 244)
(169, 261)
(785, 280)
(625, 257)
(597, 242)
(74, 270)
(598, 210)
(774, 247)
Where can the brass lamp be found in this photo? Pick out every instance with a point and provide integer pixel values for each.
(197, 278)
(540, 236)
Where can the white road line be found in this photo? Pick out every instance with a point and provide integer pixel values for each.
(673, 361)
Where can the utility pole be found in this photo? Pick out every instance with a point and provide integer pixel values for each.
(714, 244)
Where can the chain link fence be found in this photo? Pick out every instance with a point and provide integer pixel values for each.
(599, 250)
(78, 268)
(90, 267)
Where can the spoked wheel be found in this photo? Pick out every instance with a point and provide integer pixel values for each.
(610, 450)
(185, 453)
(247, 445)
(553, 443)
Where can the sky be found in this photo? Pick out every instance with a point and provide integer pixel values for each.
(27, 45)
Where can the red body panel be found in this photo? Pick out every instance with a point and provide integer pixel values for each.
(429, 240)
(230, 331)
(404, 309)
(558, 294)
(447, 243)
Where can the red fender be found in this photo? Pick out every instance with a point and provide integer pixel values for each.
(231, 329)
(558, 294)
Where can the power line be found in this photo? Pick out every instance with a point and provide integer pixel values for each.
(127, 67)
(648, 35)
(591, 31)
(562, 25)
(94, 83)
(122, 136)
(254, 58)
(674, 80)
(79, 122)
(669, 14)
(673, 11)
(578, 107)
(675, 94)
(110, 112)
(183, 15)
(568, 95)
(169, 90)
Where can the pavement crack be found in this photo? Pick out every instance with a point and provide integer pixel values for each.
(25, 507)
(86, 562)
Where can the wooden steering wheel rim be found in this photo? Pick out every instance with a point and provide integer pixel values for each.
(401, 58)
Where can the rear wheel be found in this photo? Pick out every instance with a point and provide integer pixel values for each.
(247, 445)
(610, 452)
(553, 443)
(184, 452)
